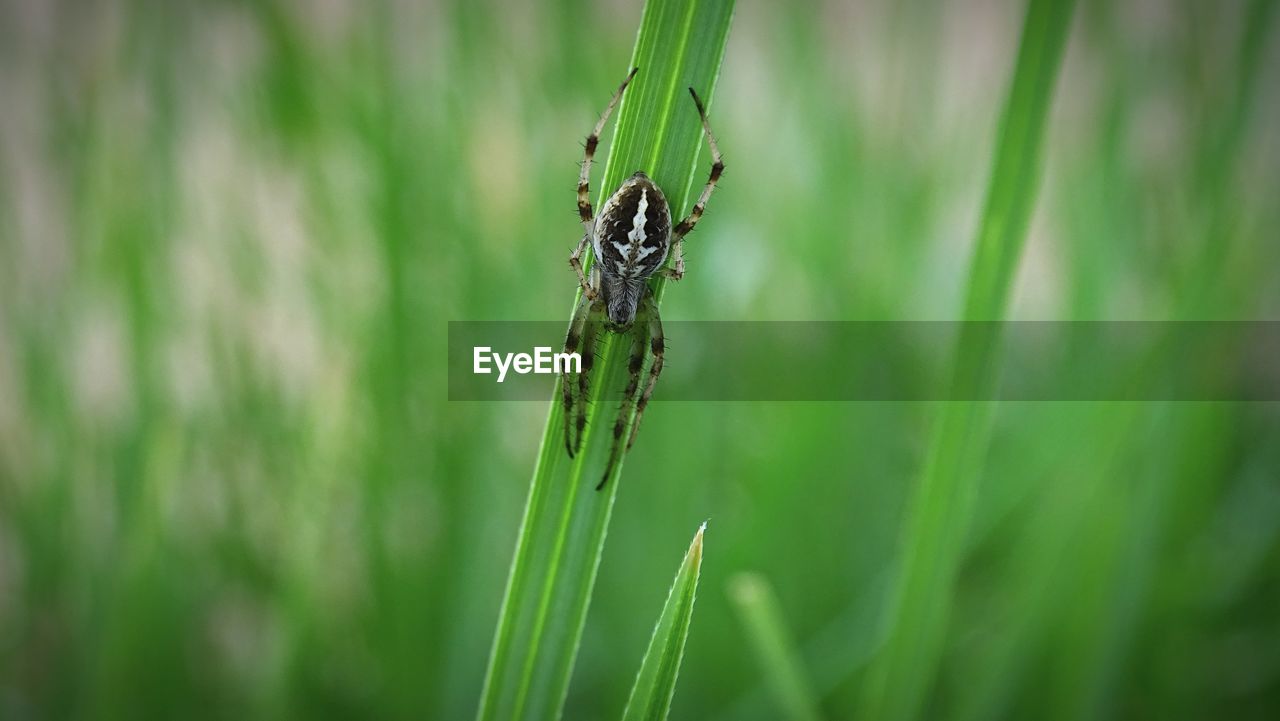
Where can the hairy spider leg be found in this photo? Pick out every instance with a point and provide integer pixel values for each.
(575, 262)
(572, 344)
(657, 346)
(591, 329)
(639, 339)
(585, 213)
(687, 225)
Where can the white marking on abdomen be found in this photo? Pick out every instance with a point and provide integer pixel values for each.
(637, 223)
(637, 234)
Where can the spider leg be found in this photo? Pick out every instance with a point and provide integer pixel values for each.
(584, 178)
(590, 333)
(686, 226)
(575, 261)
(572, 342)
(585, 212)
(657, 343)
(639, 336)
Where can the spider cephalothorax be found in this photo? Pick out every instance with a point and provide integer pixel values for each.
(631, 240)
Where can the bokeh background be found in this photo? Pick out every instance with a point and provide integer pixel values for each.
(232, 234)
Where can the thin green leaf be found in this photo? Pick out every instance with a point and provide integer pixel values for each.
(655, 685)
(680, 45)
(941, 506)
(784, 672)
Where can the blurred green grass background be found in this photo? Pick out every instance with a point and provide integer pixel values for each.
(232, 234)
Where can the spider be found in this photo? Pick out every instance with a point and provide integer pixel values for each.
(630, 241)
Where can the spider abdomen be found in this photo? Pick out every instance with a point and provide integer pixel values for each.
(633, 231)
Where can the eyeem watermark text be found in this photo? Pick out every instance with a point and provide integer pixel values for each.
(542, 362)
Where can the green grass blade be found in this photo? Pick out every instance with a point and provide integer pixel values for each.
(655, 685)
(942, 503)
(776, 650)
(680, 44)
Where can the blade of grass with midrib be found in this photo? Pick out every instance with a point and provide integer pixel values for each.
(680, 44)
(655, 685)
